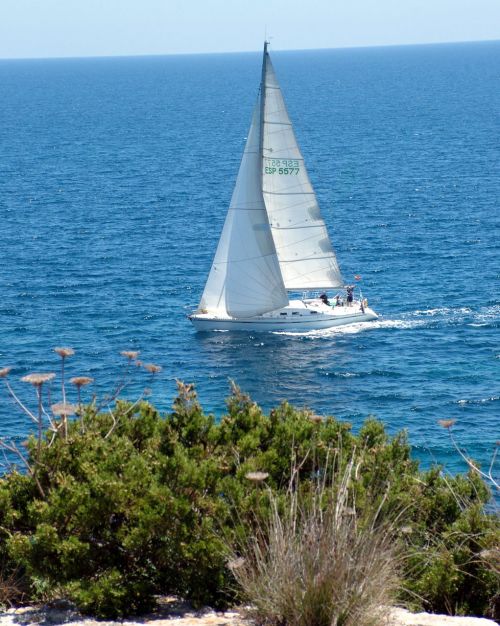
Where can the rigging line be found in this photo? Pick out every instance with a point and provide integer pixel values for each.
(270, 133)
(291, 189)
(297, 211)
(278, 123)
(256, 202)
(313, 287)
(315, 271)
(269, 158)
(320, 225)
(314, 276)
(247, 258)
(293, 215)
(283, 150)
(279, 111)
(311, 242)
(241, 208)
(296, 203)
(289, 193)
(307, 258)
(274, 134)
(298, 242)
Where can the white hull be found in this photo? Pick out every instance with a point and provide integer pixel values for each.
(298, 316)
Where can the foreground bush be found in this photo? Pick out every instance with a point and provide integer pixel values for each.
(117, 507)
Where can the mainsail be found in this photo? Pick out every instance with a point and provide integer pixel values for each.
(305, 254)
(245, 278)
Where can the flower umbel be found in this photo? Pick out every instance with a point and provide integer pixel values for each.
(38, 379)
(64, 352)
(256, 477)
(130, 354)
(81, 381)
(63, 409)
(446, 423)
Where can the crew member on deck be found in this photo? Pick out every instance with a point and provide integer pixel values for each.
(324, 298)
(350, 291)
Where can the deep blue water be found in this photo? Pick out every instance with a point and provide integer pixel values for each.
(115, 176)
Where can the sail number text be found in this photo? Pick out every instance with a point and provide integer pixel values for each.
(288, 167)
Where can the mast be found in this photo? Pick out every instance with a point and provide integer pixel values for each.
(262, 109)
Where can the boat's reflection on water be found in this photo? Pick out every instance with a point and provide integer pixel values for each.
(276, 367)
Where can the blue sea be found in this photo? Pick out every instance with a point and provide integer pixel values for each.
(115, 177)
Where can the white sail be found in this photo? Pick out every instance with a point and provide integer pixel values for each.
(245, 278)
(305, 254)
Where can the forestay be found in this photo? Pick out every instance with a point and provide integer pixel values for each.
(305, 254)
(245, 277)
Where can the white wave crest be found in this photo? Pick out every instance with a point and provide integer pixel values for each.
(479, 400)
(473, 317)
(442, 311)
(352, 329)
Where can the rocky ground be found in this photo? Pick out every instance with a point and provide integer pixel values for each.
(175, 613)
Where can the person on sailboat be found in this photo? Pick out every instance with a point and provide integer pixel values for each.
(350, 291)
(324, 298)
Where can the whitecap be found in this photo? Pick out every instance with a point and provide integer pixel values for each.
(480, 400)
(430, 311)
(442, 311)
(344, 374)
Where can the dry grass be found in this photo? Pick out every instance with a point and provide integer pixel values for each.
(318, 561)
(12, 586)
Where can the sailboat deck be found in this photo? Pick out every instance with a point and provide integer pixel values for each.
(299, 315)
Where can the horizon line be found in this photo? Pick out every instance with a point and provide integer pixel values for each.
(171, 54)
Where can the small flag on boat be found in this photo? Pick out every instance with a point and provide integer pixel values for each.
(357, 276)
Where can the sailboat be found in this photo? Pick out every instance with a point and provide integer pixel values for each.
(275, 265)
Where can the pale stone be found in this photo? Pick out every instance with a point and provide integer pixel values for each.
(402, 617)
(174, 613)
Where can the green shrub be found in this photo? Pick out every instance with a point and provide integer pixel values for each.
(135, 504)
(447, 569)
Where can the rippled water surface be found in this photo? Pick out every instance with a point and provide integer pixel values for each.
(115, 176)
